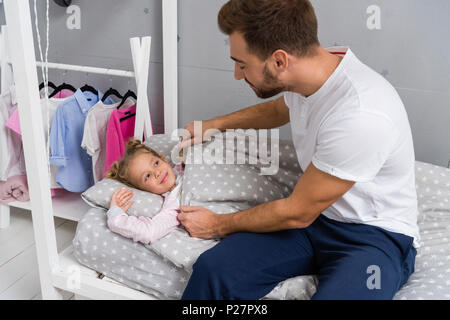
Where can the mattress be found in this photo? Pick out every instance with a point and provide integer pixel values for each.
(138, 267)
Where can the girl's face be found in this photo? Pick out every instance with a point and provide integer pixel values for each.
(150, 173)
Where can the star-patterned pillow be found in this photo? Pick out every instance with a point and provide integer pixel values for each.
(241, 183)
(145, 203)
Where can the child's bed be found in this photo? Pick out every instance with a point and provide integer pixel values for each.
(142, 268)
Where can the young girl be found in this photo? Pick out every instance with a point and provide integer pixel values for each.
(143, 168)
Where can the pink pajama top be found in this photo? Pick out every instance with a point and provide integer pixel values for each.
(144, 229)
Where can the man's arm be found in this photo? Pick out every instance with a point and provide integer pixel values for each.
(266, 115)
(314, 192)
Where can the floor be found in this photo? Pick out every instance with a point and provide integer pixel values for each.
(19, 279)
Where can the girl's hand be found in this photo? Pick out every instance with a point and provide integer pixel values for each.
(121, 199)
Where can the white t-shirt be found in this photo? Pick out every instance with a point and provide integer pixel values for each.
(94, 134)
(355, 127)
(49, 108)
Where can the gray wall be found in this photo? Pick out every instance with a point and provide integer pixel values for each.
(410, 50)
(408, 47)
(103, 41)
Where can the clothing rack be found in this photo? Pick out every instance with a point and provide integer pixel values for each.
(65, 198)
(142, 123)
(69, 67)
(57, 271)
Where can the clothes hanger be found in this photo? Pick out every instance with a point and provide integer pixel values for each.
(64, 86)
(49, 84)
(111, 92)
(89, 88)
(128, 116)
(129, 94)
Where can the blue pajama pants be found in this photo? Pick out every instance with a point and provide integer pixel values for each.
(352, 261)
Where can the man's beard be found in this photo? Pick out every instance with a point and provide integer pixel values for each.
(273, 86)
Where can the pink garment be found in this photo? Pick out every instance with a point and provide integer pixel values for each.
(13, 122)
(117, 135)
(12, 161)
(14, 189)
(148, 230)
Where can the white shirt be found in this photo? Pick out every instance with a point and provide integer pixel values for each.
(49, 108)
(94, 134)
(355, 127)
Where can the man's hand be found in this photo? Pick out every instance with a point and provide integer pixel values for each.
(197, 132)
(199, 222)
(121, 199)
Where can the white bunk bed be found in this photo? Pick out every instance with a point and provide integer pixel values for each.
(62, 271)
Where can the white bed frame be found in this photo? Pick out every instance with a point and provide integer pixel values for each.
(62, 271)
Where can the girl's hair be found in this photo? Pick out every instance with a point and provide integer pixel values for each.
(119, 169)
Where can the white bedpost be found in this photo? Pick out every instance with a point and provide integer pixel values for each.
(4, 216)
(141, 63)
(5, 211)
(21, 44)
(170, 64)
(6, 72)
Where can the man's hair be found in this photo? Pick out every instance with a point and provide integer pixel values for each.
(270, 25)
